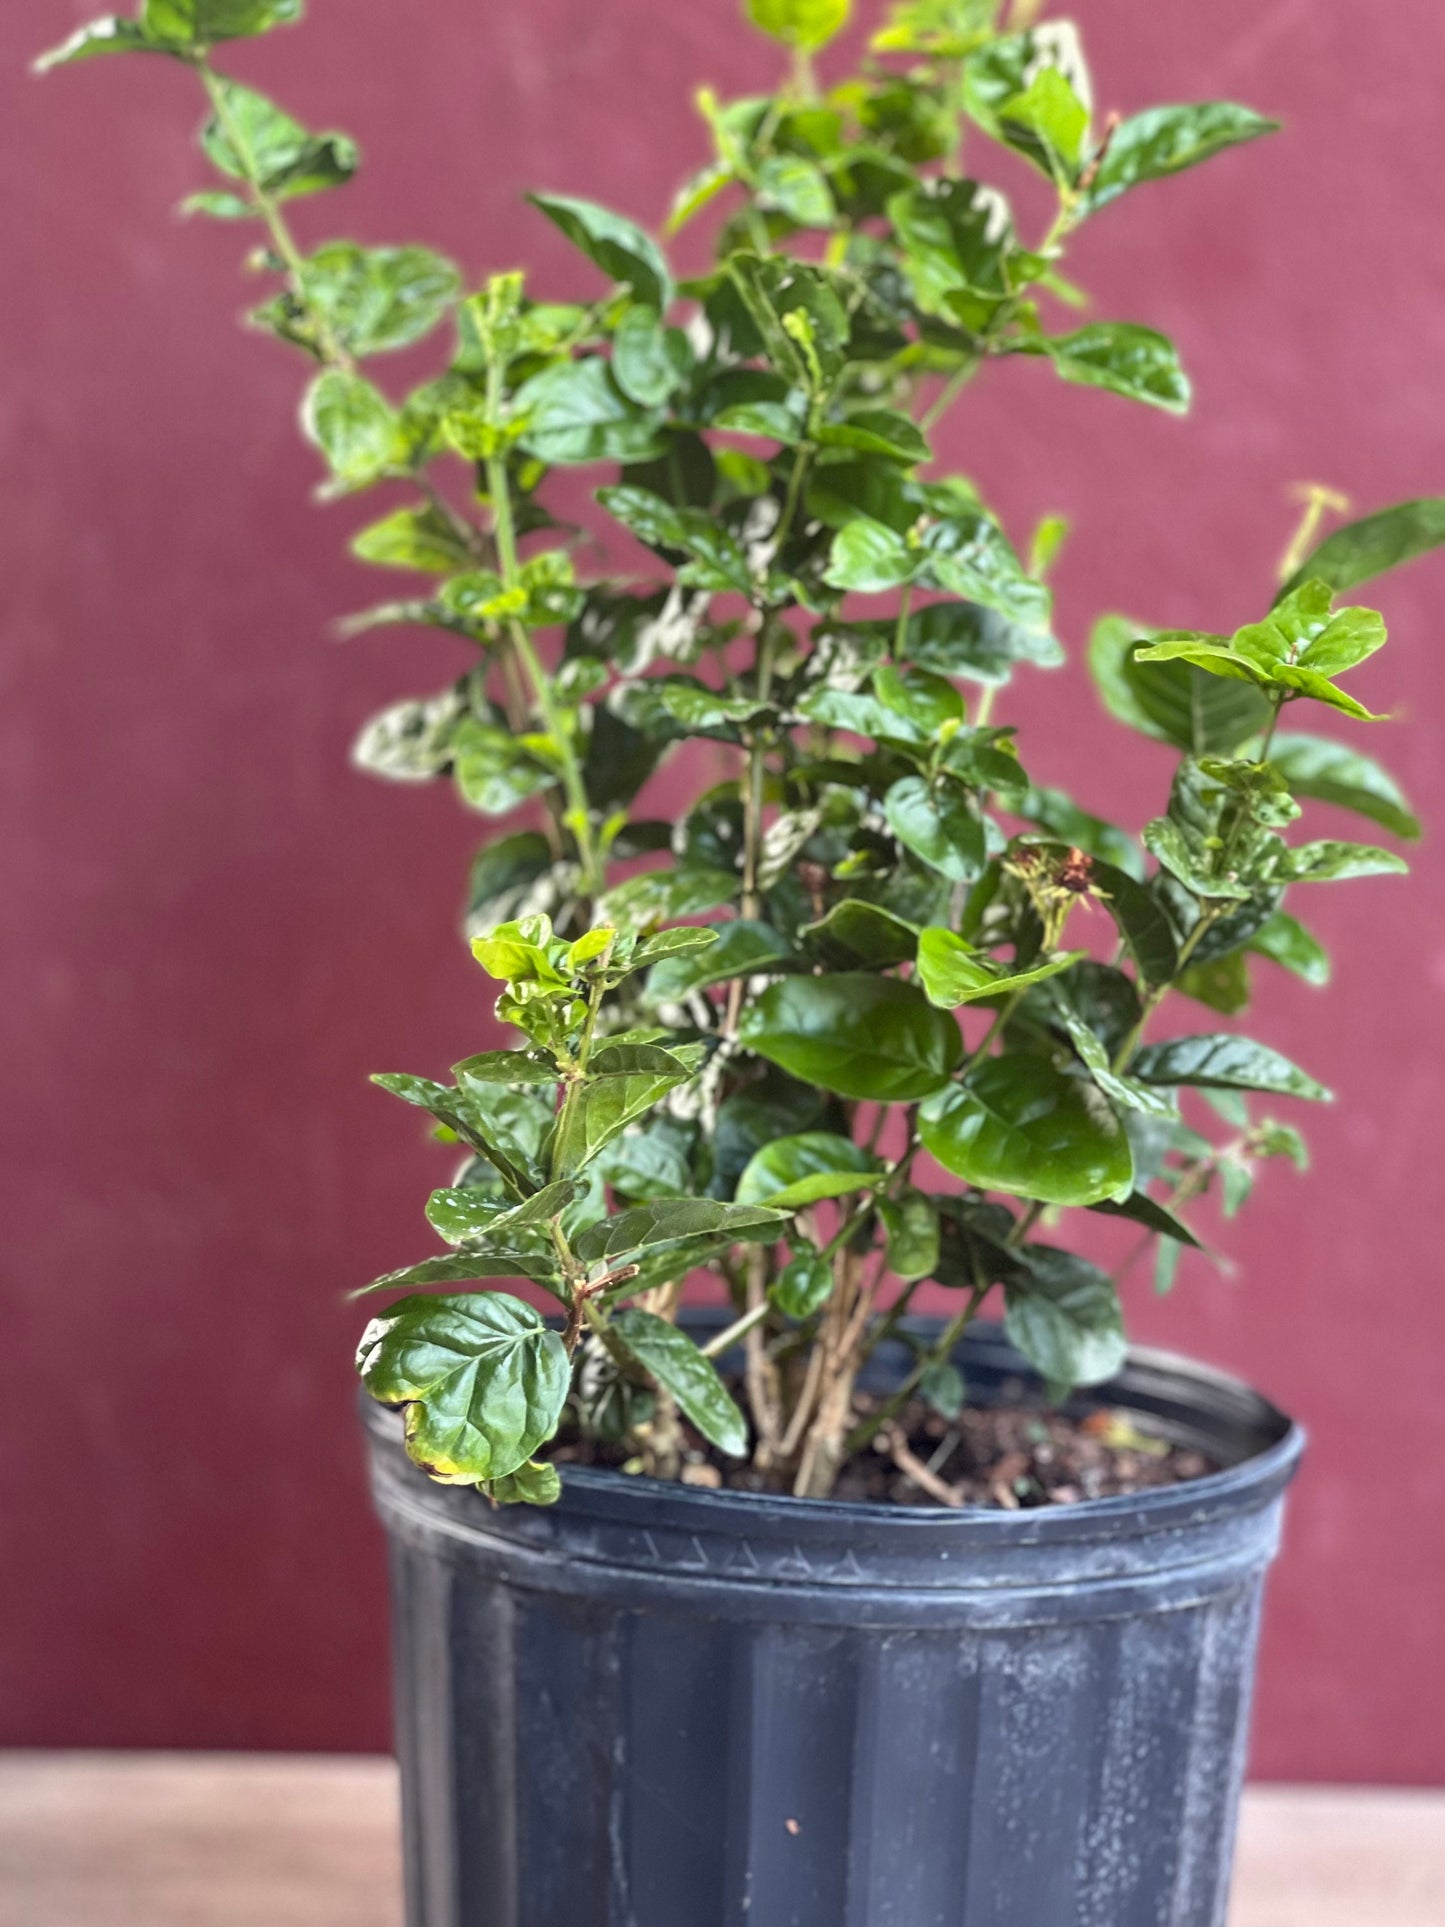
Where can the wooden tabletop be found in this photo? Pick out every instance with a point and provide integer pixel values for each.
(206, 1840)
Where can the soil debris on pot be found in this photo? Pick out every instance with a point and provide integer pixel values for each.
(1011, 1457)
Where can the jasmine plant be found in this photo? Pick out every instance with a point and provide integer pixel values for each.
(878, 1008)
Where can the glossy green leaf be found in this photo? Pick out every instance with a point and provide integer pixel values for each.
(1066, 1320)
(623, 250)
(955, 237)
(1141, 921)
(800, 23)
(1224, 1061)
(1020, 1125)
(1166, 140)
(1336, 773)
(878, 431)
(458, 1266)
(1128, 1093)
(353, 426)
(375, 300)
(1330, 862)
(671, 1358)
(649, 362)
(912, 1227)
(676, 1221)
(796, 309)
(797, 188)
(254, 140)
(204, 21)
(1285, 941)
(1367, 548)
(623, 1081)
(1183, 705)
(954, 972)
(743, 948)
(1127, 360)
(482, 1378)
(108, 35)
(856, 932)
(938, 822)
(655, 895)
(793, 1172)
(1195, 868)
(860, 1036)
(803, 1286)
(574, 413)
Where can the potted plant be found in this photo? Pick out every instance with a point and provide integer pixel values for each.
(800, 1608)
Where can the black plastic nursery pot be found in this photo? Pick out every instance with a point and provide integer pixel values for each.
(654, 1705)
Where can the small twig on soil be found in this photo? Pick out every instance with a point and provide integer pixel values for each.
(915, 1470)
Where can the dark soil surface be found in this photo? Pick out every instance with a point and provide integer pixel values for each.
(1007, 1457)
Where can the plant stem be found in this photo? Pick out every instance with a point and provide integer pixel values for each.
(937, 1354)
(282, 238)
(579, 819)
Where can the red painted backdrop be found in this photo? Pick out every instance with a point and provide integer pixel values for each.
(212, 930)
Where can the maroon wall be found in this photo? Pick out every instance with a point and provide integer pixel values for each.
(212, 930)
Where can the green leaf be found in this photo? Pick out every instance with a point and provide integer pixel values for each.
(1052, 112)
(494, 771)
(969, 555)
(797, 188)
(669, 1221)
(800, 23)
(205, 21)
(966, 639)
(1173, 701)
(860, 1036)
(1334, 773)
(793, 1172)
(942, 1386)
(878, 431)
(1194, 866)
(796, 309)
(623, 251)
(719, 560)
(1221, 984)
(353, 426)
(1127, 1092)
(623, 1081)
(655, 895)
(108, 35)
(1336, 862)
(262, 144)
(1231, 1063)
(803, 1286)
(954, 972)
(648, 364)
(912, 1225)
(457, 1266)
(482, 1378)
(742, 948)
(955, 237)
(937, 822)
(1020, 1125)
(375, 300)
(870, 557)
(531, 1484)
(1285, 941)
(1140, 1208)
(1362, 550)
(856, 932)
(1126, 359)
(413, 539)
(575, 413)
(1166, 140)
(1066, 1319)
(671, 1358)
(1141, 921)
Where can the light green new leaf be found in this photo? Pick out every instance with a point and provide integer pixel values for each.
(1065, 1319)
(257, 141)
(793, 1172)
(860, 1036)
(800, 23)
(674, 1361)
(1022, 1126)
(623, 250)
(108, 35)
(353, 426)
(482, 1378)
(954, 972)
(1335, 773)
(1166, 140)
(531, 1484)
(1224, 1062)
(204, 21)
(1127, 360)
(870, 557)
(376, 300)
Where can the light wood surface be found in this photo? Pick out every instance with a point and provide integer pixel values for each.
(205, 1840)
